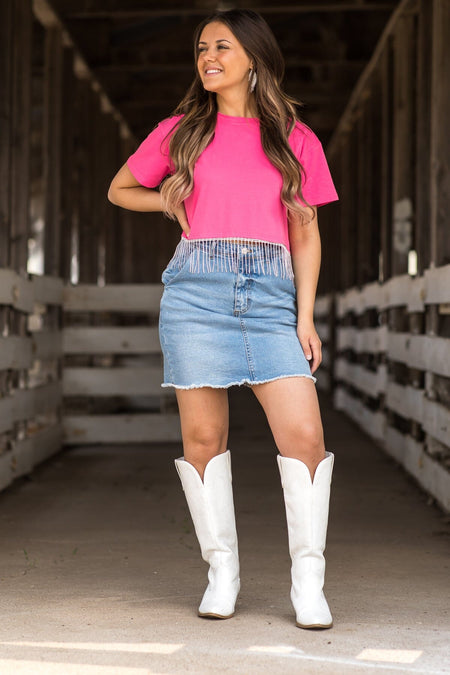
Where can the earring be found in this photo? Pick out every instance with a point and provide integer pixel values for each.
(252, 77)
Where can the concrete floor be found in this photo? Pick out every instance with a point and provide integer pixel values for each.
(101, 574)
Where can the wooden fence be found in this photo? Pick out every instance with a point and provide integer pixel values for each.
(113, 366)
(30, 372)
(392, 371)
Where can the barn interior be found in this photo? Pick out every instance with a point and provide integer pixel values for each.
(101, 570)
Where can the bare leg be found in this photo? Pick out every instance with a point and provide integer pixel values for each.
(292, 409)
(204, 424)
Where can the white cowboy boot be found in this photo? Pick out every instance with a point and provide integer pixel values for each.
(307, 519)
(212, 510)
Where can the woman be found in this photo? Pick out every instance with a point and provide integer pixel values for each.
(243, 177)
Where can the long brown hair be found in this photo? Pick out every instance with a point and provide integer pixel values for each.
(276, 111)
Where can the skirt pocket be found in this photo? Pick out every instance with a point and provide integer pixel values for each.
(175, 270)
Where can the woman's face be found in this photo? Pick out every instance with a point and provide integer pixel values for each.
(222, 62)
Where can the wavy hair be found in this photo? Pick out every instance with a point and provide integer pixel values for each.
(276, 111)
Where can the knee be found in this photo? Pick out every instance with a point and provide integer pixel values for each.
(302, 441)
(204, 442)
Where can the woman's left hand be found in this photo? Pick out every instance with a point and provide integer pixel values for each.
(310, 342)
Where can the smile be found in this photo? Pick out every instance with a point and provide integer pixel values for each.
(212, 71)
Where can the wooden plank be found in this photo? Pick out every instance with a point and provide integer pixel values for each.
(8, 279)
(113, 298)
(88, 227)
(44, 13)
(431, 475)
(370, 382)
(112, 381)
(374, 423)
(47, 290)
(69, 211)
(437, 285)
(386, 169)
(424, 352)
(47, 442)
(362, 340)
(6, 46)
(111, 340)
(403, 150)
(16, 291)
(401, 290)
(436, 421)
(363, 185)
(6, 471)
(25, 404)
(396, 291)
(347, 116)
(349, 301)
(405, 401)
(440, 138)
(112, 246)
(21, 140)
(15, 352)
(47, 345)
(6, 413)
(52, 148)
(138, 428)
(28, 453)
(423, 141)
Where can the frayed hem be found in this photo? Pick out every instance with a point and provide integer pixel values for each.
(245, 381)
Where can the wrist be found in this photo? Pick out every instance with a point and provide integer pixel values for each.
(305, 316)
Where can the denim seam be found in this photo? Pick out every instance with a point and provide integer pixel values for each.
(248, 353)
(165, 349)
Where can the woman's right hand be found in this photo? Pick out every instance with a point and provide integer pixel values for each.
(180, 213)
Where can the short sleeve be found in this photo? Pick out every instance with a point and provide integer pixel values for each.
(151, 161)
(317, 186)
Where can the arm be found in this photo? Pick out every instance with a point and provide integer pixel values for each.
(306, 256)
(127, 192)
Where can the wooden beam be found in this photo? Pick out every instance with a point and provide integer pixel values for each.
(111, 340)
(131, 428)
(440, 138)
(21, 136)
(122, 381)
(69, 206)
(88, 227)
(45, 14)
(403, 149)
(6, 42)
(53, 100)
(423, 125)
(346, 119)
(113, 298)
(298, 8)
(386, 75)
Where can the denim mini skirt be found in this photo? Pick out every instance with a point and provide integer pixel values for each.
(222, 325)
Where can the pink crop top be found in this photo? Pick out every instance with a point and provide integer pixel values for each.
(236, 189)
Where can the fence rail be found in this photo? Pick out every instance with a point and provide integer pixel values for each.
(30, 372)
(117, 367)
(392, 371)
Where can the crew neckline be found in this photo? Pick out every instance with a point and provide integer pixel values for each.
(236, 118)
